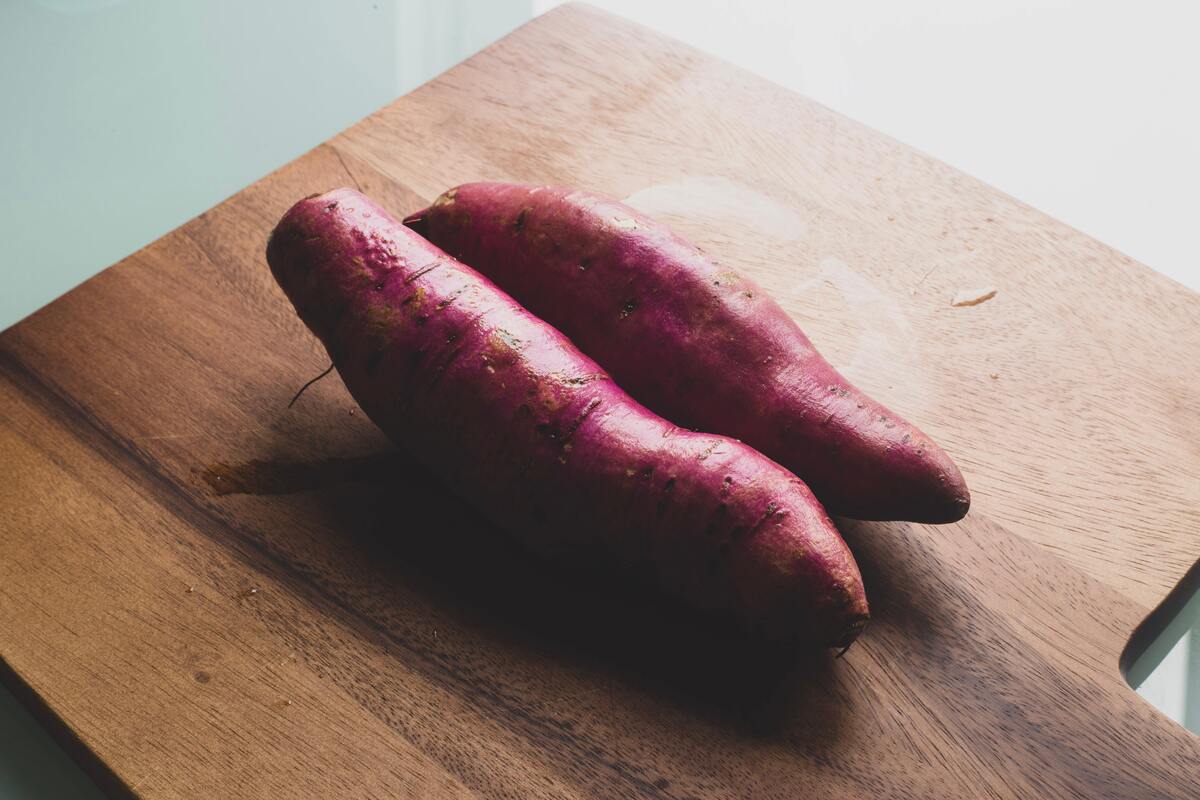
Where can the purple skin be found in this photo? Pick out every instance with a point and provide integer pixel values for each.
(508, 412)
(695, 342)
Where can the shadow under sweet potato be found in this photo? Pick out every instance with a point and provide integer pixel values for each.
(912, 593)
(589, 615)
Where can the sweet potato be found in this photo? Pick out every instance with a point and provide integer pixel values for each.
(535, 435)
(695, 342)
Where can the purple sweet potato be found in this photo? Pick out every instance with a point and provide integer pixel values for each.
(695, 342)
(505, 410)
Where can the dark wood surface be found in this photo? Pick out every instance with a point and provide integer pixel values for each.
(217, 596)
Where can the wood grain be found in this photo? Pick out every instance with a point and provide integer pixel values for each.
(218, 596)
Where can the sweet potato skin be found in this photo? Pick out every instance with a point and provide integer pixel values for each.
(508, 412)
(696, 342)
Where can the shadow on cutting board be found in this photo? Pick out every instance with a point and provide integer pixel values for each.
(471, 571)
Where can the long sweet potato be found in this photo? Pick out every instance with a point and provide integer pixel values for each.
(695, 342)
(509, 413)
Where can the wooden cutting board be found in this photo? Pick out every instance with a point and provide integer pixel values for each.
(208, 594)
